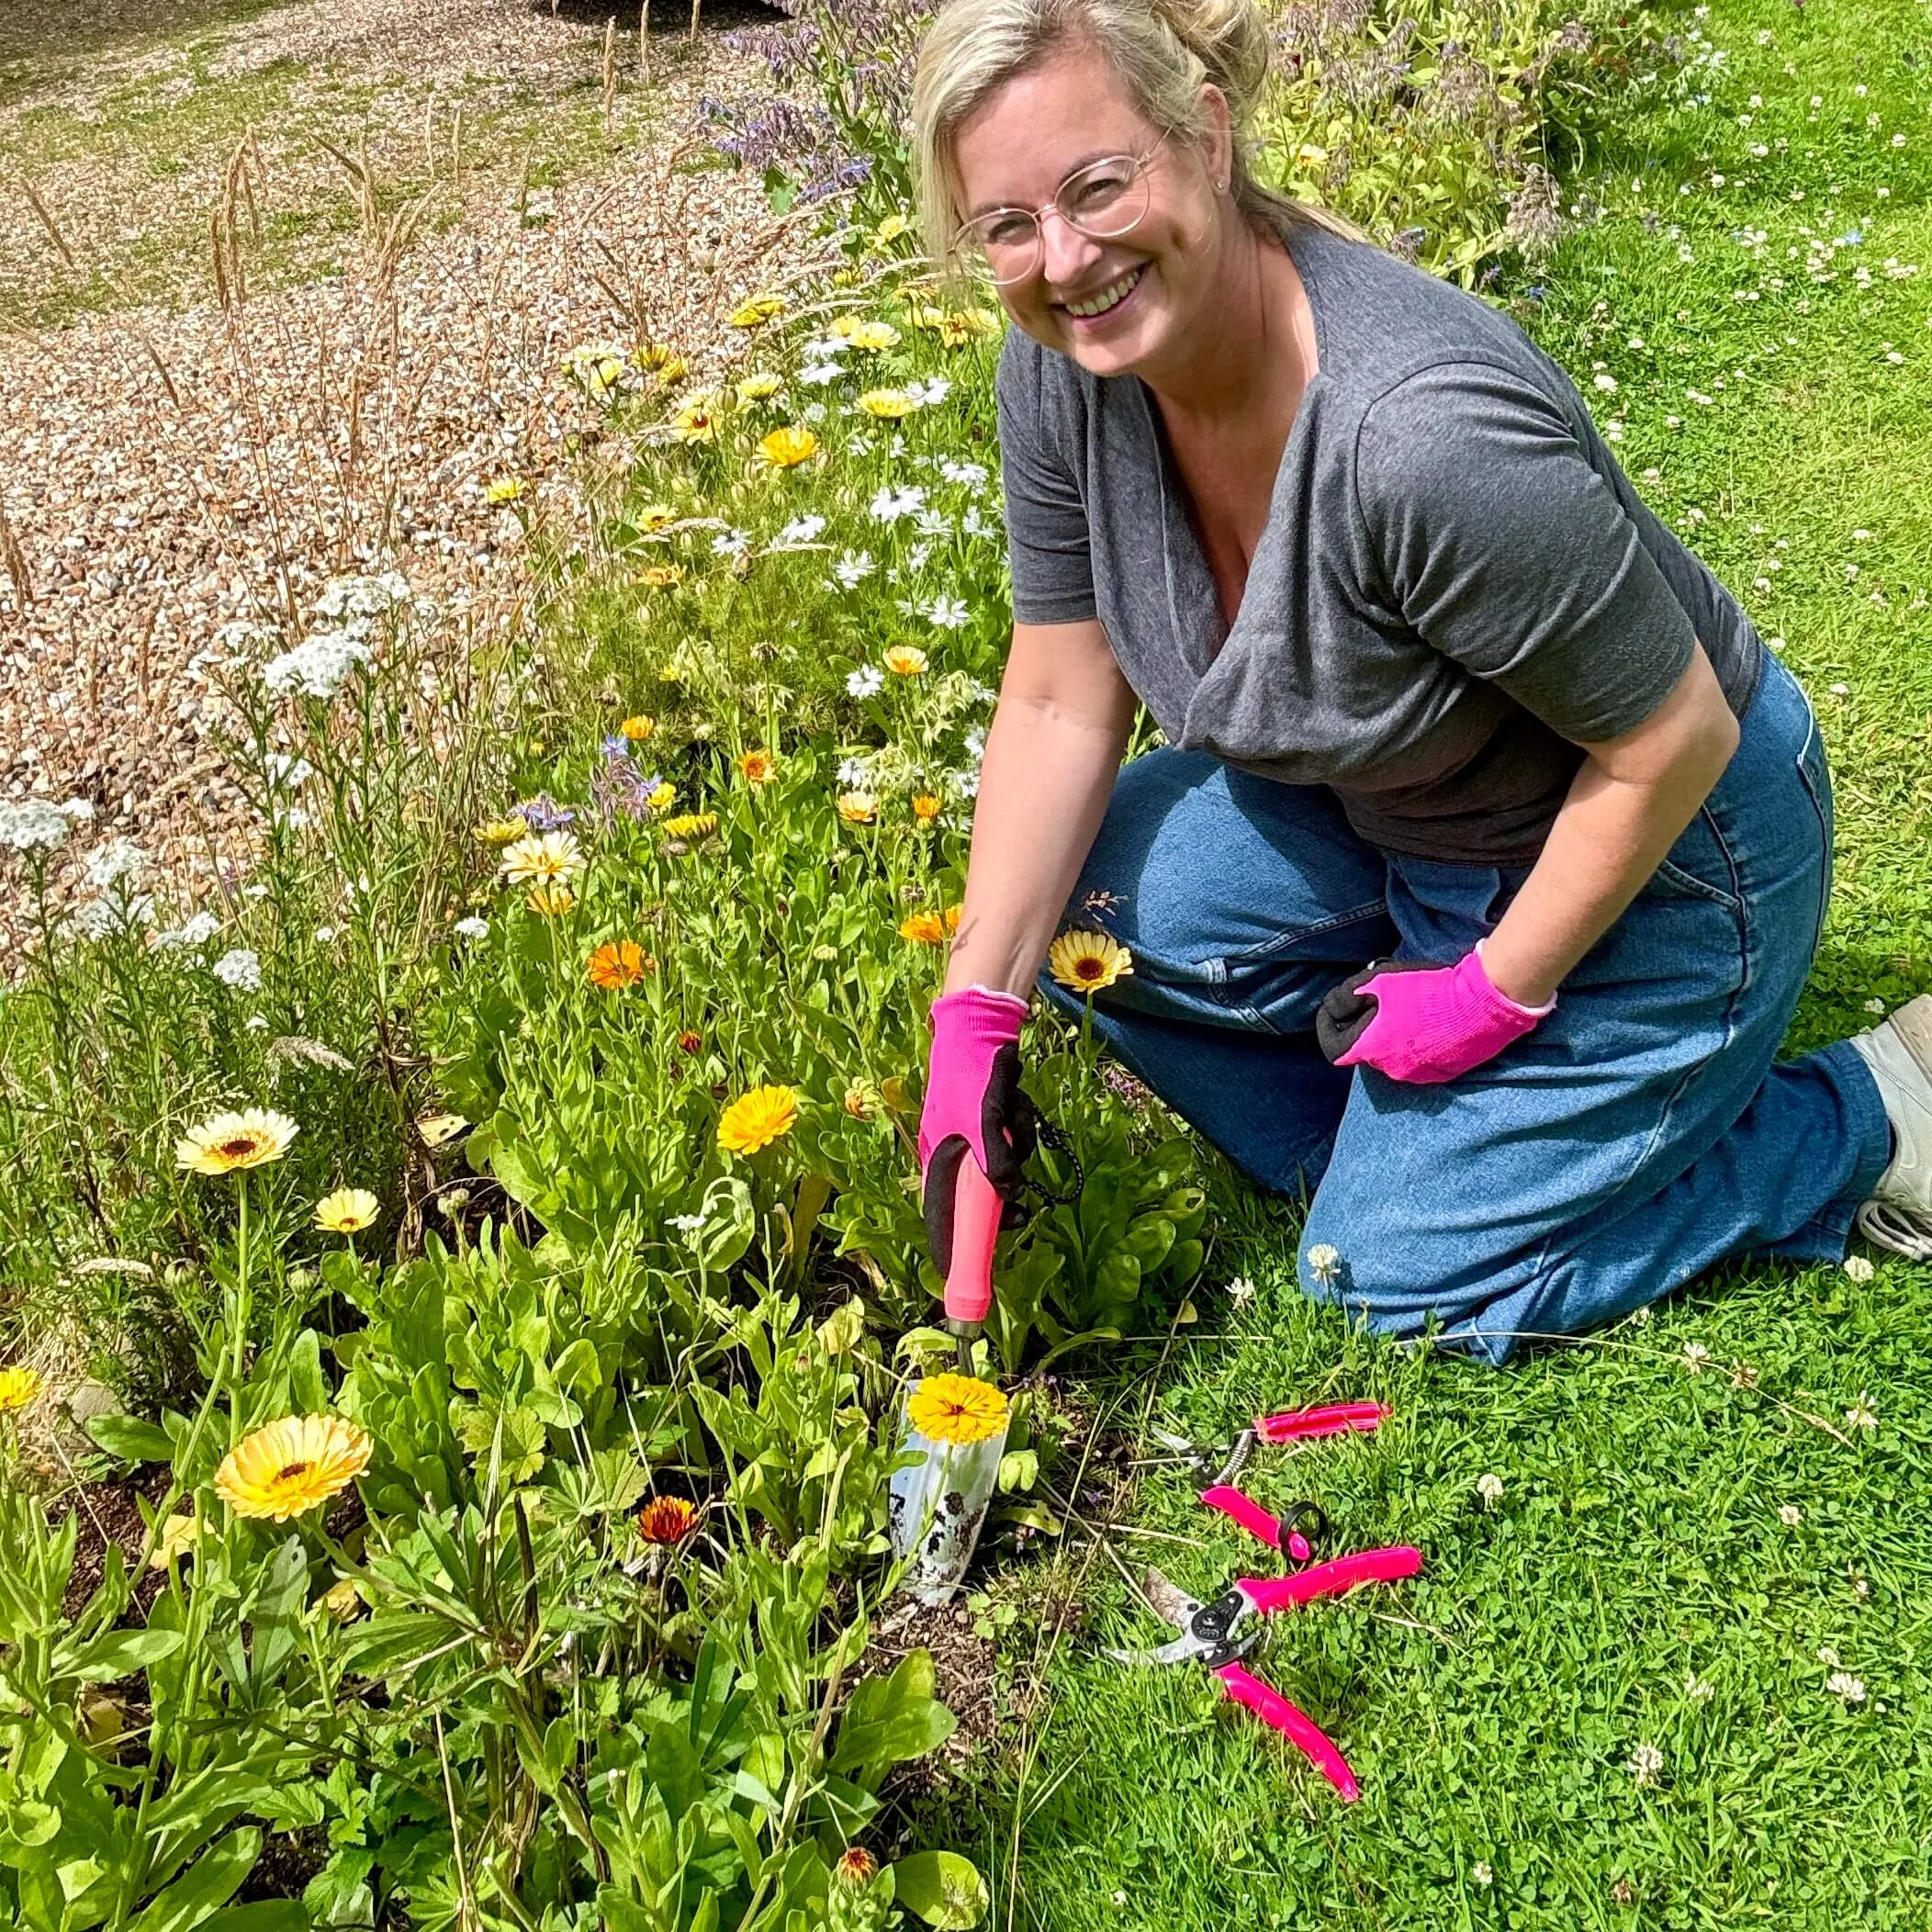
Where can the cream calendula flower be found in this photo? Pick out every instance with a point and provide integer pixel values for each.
(905, 660)
(550, 902)
(231, 1143)
(956, 1409)
(292, 1466)
(858, 808)
(1088, 962)
(888, 405)
(542, 858)
(760, 387)
(756, 1119)
(873, 337)
(347, 1211)
(175, 1540)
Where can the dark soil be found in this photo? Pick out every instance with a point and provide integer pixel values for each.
(964, 1672)
(110, 1514)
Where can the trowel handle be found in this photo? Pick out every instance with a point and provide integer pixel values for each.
(976, 1207)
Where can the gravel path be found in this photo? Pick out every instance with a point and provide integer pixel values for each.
(170, 471)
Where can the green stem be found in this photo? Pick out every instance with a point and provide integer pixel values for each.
(241, 1319)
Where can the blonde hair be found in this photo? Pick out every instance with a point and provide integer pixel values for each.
(1162, 52)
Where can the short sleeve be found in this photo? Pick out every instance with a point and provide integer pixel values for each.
(1047, 532)
(1507, 551)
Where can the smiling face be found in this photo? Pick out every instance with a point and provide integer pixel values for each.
(1156, 283)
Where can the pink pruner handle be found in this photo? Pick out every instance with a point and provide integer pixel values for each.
(1338, 1419)
(1331, 1579)
(1245, 1510)
(976, 1207)
(1295, 1724)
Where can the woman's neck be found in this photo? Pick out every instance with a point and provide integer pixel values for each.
(1251, 362)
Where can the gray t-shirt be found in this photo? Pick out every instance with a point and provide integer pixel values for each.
(1455, 584)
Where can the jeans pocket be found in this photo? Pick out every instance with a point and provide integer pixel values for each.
(1699, 865)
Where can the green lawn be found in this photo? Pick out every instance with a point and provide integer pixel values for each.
(1693, 1536)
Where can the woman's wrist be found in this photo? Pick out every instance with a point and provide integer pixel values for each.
(1523, 982)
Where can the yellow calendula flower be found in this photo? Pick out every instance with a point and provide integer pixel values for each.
(905, 660)
(638, 727)
(697, 420)
(176, 1540)
(1088, 962)
(438, 1128)
(673, 373)
(758, 1118)
(497, 831)
(598, 367)
(888, 230)
(504, 490)
(347, 1211)
(654, 517)
(858, 808)
(956, 1409)
(292, 1466)
(662, 795)
(873, 337)
(550, 902)
(691, 824)
(757, 765)
(787, 448)
(924, 315)
(965, 325)
(654, 358)
(862, 1100)
(924, 929)
(842, 326)
(659, 576)
(542, 858)
(888, 405)
(758, 309)
(230, 1144)
(926, 806)
(760, 387)
(18, 1388)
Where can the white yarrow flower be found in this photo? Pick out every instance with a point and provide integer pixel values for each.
(240, 968)
(34, 826)
(1859, 1268)
(316, 668)
(472, 928)
(1240, 1291)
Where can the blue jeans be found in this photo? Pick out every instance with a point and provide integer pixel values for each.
(1641, 1133)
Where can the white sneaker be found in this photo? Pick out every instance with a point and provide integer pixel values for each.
(1899, 1052)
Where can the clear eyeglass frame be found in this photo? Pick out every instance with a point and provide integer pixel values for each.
(1011, 263)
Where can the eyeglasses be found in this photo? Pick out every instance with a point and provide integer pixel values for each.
(1106, 198)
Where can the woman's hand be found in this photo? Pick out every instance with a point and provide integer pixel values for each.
(1425, 1024)
(974, 1105)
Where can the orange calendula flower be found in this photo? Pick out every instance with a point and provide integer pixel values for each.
(756, 1119)
(661, 577)
(638, 727)
(620, 963)
(787, 448)
(667, 1521)
(956, 1409)
(905, 660)
(856, 1867)
(923, 928)
(926, 806)
(1088, 962)
(293, 1465)
(757, 765)
(690, 1042)
(858, 808)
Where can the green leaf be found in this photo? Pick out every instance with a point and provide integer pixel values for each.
(269, 1914)
(1018, 1469)
(942, 1888)
(209, 1884)
(131, 1438)
(891, 1719)
(117, 1654)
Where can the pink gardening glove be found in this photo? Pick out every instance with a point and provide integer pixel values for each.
(973, 1104)
(1435, 1023)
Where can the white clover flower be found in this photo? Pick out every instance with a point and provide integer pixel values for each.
(1696, 1357)
(1842, 1683)
(802, 530)
(1488, 1485)
(1646, 1764)
(853, 567)
(316, 668)
(1240, 1291)
(1324, 1263)
(1698, 1690)
(1789, 1515)
(1481, 1873)
(33, 825)
(472, 928)
(867, 682)
(239, 967)
(948, 613)
(1862, 1414)
(928, 390)
(1859, 1268)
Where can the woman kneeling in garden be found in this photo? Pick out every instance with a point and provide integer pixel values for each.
(1436, 686)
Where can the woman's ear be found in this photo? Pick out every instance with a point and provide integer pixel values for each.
(1217, 144)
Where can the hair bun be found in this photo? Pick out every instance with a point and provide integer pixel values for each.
(1230, 37)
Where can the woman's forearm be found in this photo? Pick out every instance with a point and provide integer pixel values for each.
(1625, 809)
(1044, 785)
